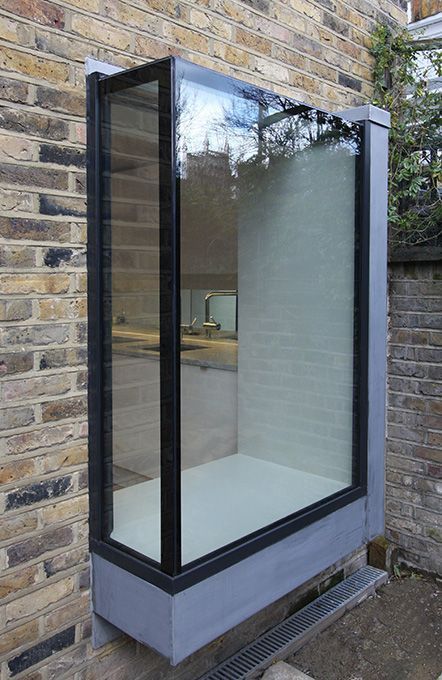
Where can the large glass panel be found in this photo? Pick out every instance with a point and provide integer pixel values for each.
(268, 199)
(130, 158)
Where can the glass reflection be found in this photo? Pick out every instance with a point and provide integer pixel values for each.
(130, 158)
(267, 211)
(268, 246)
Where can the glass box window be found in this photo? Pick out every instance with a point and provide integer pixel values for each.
(130, 224)
(231, 331)
(268, 215)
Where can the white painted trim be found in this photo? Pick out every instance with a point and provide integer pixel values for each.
(430, 27)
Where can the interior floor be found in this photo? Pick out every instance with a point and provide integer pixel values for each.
(222, 501)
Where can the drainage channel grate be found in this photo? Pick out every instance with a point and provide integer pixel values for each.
(288, 636)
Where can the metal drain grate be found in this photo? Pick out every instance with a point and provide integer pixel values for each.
(288, 636)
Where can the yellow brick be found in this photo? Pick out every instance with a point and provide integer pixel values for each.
(253, 41)
(41, 386)
(175, 10)
(289, 57)
(68, 613)
(65, 46)
(36, 439)
(40, 599)
(341, 11)
(322, 70)
(357, 20)
(232, 55)
(60, 511)
(329, 92)
(19, 580)
(19, 469)
(303, 82)
(187, 38)
(75, 455)
(21, 635)
(336, 59)
(207, 22)
(31, 65)
(17, 201)
(131, 16)
(10, 30)
(34, 283)
(208, 62)
(307, 8)
(15, 526)
(150, 48)
(15, 148)
(81, 283)
(82, 530)
(348, 48)
(366, 91)
(274, 72)
(362, 71)
(366, 42)
(89, 5)
(398, 13)
(288, 17)
(270, 29)
(79, 233)
(62, 309)
(97, 30)
(325, 37)
(232, 10)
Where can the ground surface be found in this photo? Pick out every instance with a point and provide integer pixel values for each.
(395, 635)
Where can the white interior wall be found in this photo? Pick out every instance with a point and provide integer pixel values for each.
(296, 288)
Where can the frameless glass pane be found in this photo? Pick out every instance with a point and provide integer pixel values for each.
(268, 249)
(130, 158)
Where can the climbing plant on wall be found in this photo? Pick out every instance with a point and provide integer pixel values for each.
(405, 73)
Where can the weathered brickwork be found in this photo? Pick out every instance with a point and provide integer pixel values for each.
(316, 50)
(414, 445)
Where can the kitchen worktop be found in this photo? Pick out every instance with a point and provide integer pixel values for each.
(197, 350)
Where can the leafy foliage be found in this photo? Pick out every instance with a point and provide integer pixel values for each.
(403, 70)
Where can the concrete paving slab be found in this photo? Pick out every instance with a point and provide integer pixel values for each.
(283, 671)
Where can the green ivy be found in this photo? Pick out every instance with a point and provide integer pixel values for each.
(402, 70)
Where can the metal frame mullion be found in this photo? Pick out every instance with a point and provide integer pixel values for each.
(363, 304)
(95, 321)
(169, 333)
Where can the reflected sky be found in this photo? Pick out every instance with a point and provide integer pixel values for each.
(247, 123)
(205, 122)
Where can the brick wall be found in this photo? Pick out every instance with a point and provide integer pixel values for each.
(316, 50)
(414, 451)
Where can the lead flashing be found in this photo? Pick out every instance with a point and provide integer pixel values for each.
(367, 112)
(92, 65)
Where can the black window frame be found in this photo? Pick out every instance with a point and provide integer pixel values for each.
(170, 575)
